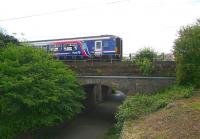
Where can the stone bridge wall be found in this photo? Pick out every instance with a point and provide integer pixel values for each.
(162, 68)
(130, 84)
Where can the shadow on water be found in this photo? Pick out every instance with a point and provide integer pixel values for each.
(92, 124)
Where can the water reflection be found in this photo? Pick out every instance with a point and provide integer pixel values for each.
(92, 124)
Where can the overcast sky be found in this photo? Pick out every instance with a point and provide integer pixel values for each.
(140, 23)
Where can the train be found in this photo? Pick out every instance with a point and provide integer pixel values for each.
(92, 47)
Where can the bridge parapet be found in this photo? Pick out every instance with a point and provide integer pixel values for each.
(130, 84)
(87, 68)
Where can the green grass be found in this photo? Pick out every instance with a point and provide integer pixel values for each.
(196, 106)
(143, 104)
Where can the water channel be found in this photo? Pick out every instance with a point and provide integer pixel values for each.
(92, 124)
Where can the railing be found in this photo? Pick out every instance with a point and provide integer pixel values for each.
(159, 57)
(111, 58)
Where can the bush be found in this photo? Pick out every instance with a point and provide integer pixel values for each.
(146, 53)
(6, 39)
(187, 55)
(35, 91)
(146, 66)
(135, 106)
(144, 59)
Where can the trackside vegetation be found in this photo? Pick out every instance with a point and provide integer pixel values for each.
(6, 39)
(142, 104)
(35, 91)
(144, 59)
(187, 55)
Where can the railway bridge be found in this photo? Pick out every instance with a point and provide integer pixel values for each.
(98, 88)
(100, 79)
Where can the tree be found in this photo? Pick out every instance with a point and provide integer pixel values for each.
(35, 91)
(146, 53)
(144, 59)
(6, 39)
(187, 54)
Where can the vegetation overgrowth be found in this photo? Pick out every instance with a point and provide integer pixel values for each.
(179, 120)
(144, 59)
(35, 91)
(187, 55)
(7, 39)
(142, 104)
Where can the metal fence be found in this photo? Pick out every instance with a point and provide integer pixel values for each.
(158, 57)
(112, 58)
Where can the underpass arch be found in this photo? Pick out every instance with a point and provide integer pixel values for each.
(97, 93)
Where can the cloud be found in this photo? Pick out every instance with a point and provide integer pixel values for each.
(139, 22)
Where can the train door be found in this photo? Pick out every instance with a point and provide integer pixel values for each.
(98, 48)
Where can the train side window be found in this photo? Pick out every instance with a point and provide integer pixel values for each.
(105, 44)
(98, 44)
(55, 48)
(74, 48)
(70, 47)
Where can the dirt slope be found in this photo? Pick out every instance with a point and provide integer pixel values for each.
(179, 120)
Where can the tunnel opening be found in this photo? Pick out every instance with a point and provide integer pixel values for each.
(99, 93)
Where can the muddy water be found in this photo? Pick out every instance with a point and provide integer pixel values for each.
(93, 124)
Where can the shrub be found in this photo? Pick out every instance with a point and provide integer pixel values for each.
(6, 39)
(141, 104)
(145, 53)
(144, 59)
(187, 55)
(35, 91)
(146, 66)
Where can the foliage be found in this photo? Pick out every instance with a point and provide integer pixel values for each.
(112, 134)
(35, 91)
(146, 53)
(6, 39)
(146, 66)
(187, 55)
(144, 59)
(142, 104)
(196, 106)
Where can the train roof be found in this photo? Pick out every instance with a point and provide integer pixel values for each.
(77, 38)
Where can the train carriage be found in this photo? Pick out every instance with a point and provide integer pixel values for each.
(94, 47)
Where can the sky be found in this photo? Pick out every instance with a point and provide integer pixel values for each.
(140, 23)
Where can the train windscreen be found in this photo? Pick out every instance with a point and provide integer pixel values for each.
(119, 47)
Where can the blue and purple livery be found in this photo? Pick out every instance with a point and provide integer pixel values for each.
(105, 46)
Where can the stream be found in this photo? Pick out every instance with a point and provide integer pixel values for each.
(92, 124)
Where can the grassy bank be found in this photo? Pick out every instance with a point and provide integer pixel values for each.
(179, 120)
(143, 104)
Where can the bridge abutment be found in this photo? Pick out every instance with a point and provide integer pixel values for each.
(97, 91)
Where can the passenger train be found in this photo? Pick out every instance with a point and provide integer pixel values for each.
(93, 47)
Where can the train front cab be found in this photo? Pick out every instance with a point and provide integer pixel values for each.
(100, 46)
(118, 49)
